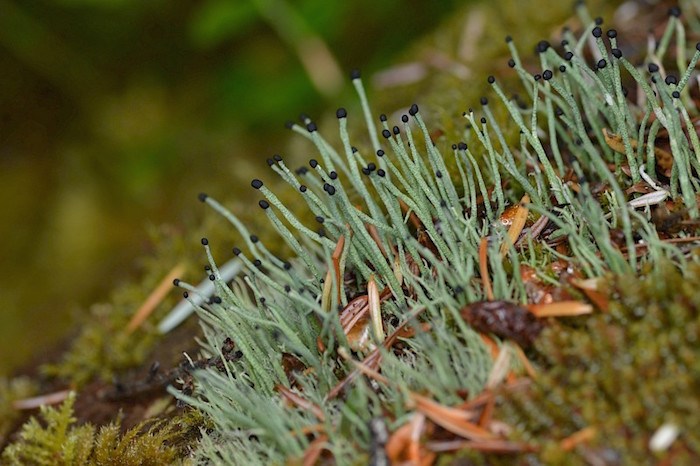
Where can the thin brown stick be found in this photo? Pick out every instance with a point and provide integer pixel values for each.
(484, 268)
(154, 299)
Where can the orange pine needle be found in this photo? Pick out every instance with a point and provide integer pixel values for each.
(453, 420)
(300, 401)
(517, 225)
(154, 299)
(314, 450)
(560, 309)
(581, 436)
(484, 268)
(41, 400)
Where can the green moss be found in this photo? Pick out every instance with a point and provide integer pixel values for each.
(625, 373)
(54, 439)
(12, 390)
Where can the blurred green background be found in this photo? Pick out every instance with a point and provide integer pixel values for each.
(114, 114)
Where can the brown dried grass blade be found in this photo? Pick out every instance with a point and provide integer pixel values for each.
(300, 401)
(484, 268)
(453, 420)
(412, 217)
(560, 309)
(41, 400)
(516, 227)
(375, 309)
(590, 288)
(663, 158)
(314, 450)
(374, 358)
(154, 299)
(583, 435)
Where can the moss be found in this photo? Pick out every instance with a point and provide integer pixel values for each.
(55, 439)
(12, 390)
(624, 373)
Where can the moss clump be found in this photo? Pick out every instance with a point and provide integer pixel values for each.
(56, 440)
(10, 391)
(624, 373)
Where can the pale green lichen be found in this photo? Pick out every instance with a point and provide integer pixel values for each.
(281, 308)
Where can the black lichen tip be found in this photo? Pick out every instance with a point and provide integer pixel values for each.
(617, 53)
(676, 94)
(542, 46)
(454, 146)
(601, 64)
(264, 204)
(270, 162)
(254, 239)
(413, 110)
(547, 75)
(382, 117)
(611, 33)
(597, 32)
(462, 146)
(341, 113)
(671, 79)
(562, 68)
(302, 171)
(404, 118)
(289, 124)
(236, 252)
(256, 183)
(511, 63)
(484, 101)
(277, 158)
(438, 174)
(212, 277)
(697, 46)
(333, 175)
(205, 242)
(320, 219)
(598, 21)
(396, 130)
(202, 197)
(386, 133)
(509, 39)
(380, 153)
(371, 166)
(568, 56)
(311, 127)
(287, 266)
(653, 67)
(674, 11)
(287, 288)
(313, 163)
(302, 188)
(329, 188)
(365, 171)
(537, 77)
(381, 173)
(176, 282)
(185, 295)
(483, 120)
(353, 149)
(491, 79)
(355, 74)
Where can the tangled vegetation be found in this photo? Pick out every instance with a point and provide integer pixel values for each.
(518, 288)
(390, 331)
